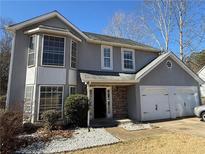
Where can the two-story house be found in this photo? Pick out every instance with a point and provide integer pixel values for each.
(51, 58)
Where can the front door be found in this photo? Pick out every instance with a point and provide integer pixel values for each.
(100, 103)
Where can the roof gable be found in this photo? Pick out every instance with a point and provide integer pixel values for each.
(42, 18)
(90, 37)
(142, 73)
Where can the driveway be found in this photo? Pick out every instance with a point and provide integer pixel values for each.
(188, 125)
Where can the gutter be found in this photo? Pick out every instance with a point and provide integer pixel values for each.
(122, 45)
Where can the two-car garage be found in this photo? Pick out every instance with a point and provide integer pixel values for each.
(166, 89)
(165, 102)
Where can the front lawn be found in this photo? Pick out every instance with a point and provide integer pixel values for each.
(169, 143)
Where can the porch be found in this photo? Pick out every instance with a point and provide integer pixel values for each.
(109, 96)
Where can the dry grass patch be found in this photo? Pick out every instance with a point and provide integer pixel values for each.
(169, 143)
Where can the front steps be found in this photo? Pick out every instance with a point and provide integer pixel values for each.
(107, 122)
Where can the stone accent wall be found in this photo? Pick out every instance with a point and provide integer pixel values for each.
(119, 102)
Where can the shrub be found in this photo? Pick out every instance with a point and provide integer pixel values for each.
(50, 118)
(29, 128)
(10, 127)
(76, 109)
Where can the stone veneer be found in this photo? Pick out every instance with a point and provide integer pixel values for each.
(119, 102)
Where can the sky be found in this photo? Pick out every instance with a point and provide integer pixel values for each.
(91, 16)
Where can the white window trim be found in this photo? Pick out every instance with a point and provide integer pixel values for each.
(71, 53)
(122, 59)
(72, 86)
(39, 94)
(35, 51)
(102, 57)
(42, 46)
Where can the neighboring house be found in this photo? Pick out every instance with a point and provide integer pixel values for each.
(51, 59)
(201, 74)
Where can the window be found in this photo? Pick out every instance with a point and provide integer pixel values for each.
(50, 99)
(28, 98)
(72, 90)
(128, 59)
(31, 51)
(53, 51)
(73, 56)
(106, 57)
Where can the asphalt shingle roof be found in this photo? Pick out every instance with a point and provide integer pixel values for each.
(108, 38)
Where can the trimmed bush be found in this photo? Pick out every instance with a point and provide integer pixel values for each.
(76, 109)
(29, 128)
(50, 118)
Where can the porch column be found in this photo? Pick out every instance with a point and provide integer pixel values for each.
(88, 116)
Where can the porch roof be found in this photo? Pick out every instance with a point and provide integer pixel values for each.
(119, 78)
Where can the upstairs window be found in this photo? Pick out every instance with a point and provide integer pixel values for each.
(128, 60)
(31, 51)
(73, 55)
(53, 51)
(106, 57)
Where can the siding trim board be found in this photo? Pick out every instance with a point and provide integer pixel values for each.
(52, 30)
(10, 72)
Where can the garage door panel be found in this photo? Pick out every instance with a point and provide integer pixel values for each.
(155, 104)
(167, 101)
(185, 100)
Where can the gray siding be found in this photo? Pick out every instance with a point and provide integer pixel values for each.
(138, 102)
(161, 75)
(55, 22)
(90, 58)
(134, 107)
(131, 100)
(18, 73)
(143, 58)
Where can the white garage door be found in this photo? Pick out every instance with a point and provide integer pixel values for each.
(164, 102)
(155, 103)
(185, 100)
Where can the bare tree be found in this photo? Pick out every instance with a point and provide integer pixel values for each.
(166, 24)
(158, 21)
(152, 26)
(123, 25)
(5, 48)
(189, 17)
